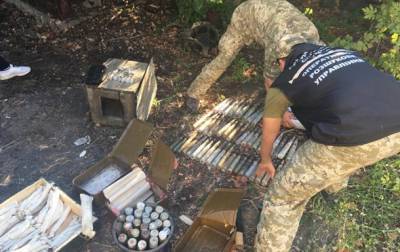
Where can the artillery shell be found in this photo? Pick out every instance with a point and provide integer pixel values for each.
(148, 210)
(240, 164)
(205, 150)
(164, 216)
(196, 145)
(137, 222)
(132, 242)
(154, 215)
(243, 166)
(231, 129)
(159, 209)
(292, 151)
(203, 118)
(229, 161)
(204, 158)
(228, 153)
(200, 148)
(129, 218)
(258, 179)
(219, 156)
(242, 137)
(163, 234)
(128, 211)
(134, 232)
(153, 242)
(140, 206)
(142, 245)
(122, 238)
(215, 153)
(234, 163)
(188, 142)
(265, 180)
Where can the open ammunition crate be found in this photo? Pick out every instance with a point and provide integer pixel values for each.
(24, 193)
(122, 160)
(215, 227)
(126, 92)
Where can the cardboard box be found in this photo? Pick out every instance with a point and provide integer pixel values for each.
(122, 160)
(215, 227)
(117, 163)
(24, 193)
(115, 102)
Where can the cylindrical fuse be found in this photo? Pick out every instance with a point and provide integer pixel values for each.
(128, 211)
(154, 233)
(159, 209)
(134, 233)
(164, 216)
(137, 222)
(122, 238)
(142, 245)
(167, 224)
(132, 243)
(153, 242)
(144, 226)
(154, 216)
(138, 213)
(129, 218)
(127, 226)
(146, 215)
(152, 226)
(159, 223)
(148, 210)
(145, 234)
(146, 220)
(140, 206)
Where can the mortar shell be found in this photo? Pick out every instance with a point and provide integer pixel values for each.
(292, 150)
(219, 156)
(252, 170)
(221, 163)
(200, 148)
(205, 150)
(285, 149)
(204, 158)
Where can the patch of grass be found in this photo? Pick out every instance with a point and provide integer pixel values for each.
(367, 213)
(240, 65)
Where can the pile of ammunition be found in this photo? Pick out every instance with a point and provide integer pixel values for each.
(229, 138)
(40, 222)
(128, 190)
(142, 227)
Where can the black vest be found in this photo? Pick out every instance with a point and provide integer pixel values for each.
(340, 98)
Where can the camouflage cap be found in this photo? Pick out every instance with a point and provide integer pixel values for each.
(285, 44)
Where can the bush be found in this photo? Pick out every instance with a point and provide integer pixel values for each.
(381, 43)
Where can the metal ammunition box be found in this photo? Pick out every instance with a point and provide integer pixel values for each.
(215, 227)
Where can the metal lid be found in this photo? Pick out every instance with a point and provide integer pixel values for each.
(162, 164)
(132, 141)
(222, 205)
(147, 93)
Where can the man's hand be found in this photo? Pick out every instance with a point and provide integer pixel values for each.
(267, 167)
(287, 119)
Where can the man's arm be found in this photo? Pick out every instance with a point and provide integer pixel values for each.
(229, 46)
(270, 130)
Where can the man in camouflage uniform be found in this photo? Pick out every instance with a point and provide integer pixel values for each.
(274, 24)
(350, 112)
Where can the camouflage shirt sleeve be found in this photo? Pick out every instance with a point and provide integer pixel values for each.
(271, 67)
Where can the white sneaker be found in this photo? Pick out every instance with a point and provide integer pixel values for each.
(13, 71)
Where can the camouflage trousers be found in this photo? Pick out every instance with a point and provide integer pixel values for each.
(314, 167)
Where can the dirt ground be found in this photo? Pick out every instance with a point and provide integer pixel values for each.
(42, 114)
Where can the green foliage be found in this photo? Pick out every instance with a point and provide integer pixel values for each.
(240, 65)
(367, 214)
(381, 43)
(191, 11)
